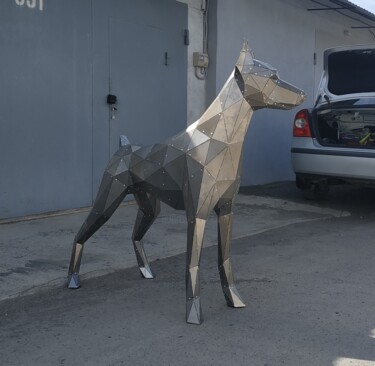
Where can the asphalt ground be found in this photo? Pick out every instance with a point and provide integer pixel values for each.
(305, 273)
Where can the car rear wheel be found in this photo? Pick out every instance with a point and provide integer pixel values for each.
(311, 190)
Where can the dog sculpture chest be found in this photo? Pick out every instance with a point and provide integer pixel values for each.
(198, 171)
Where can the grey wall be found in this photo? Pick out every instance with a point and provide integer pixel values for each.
(196, 96)
(56, 63)
(152, 101)
(45, 106)
(284, 34)
(54, 73)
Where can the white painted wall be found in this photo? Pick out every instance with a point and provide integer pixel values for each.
(284, 34)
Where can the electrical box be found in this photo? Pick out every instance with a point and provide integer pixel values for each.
(200, 59)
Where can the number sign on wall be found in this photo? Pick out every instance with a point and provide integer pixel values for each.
(31, 4)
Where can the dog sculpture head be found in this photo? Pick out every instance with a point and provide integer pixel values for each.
(261, 86)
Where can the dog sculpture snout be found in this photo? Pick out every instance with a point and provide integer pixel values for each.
(261, 85)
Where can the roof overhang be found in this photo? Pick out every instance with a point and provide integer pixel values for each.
(361, 18)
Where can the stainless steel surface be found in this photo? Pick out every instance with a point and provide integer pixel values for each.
(197, 170)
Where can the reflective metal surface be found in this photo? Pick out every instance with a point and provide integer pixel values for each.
(197, 170)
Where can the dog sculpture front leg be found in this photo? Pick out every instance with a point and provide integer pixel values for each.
(195, 235)
(149, 209)
(225, 216)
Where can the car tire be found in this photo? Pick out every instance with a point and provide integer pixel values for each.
(313, 191)
(303, 183)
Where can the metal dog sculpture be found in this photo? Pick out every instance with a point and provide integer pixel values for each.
(197, 170)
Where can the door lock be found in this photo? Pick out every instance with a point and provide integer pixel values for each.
(112, 101)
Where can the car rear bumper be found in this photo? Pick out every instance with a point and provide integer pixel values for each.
(309, 157)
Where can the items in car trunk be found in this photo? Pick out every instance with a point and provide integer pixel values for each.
(346, 128)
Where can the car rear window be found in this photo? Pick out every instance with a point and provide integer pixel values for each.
(351, 72)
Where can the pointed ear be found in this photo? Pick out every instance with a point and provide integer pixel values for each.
(239, 79)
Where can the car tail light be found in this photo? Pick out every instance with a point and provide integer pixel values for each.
(301, 126)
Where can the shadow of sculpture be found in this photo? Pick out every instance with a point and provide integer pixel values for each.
(197, 170)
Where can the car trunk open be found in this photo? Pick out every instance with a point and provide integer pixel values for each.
(345, 108)
(353, 128)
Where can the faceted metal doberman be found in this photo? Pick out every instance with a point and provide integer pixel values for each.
(197, 170)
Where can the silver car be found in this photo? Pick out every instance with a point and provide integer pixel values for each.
(334, 142)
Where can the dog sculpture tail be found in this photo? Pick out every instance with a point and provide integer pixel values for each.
(124, 141)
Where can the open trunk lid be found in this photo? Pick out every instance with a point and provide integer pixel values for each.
(344, 114)
(349, 73)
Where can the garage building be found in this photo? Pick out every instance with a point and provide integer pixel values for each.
(77, 74)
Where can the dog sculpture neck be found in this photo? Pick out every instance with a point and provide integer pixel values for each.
(229, 115)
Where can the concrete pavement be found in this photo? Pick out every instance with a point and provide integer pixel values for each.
(305, 271)
(36, 251)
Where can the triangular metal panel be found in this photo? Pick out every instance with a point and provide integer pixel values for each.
(197, 138)
(144, 169)
(222, 187)
(195, 181)
(116, 190)
(208, 184)
(258, 81)
(251, 90)
(206, 207)
(177, 170)
(226, 171)
(125, 178)
(225, 91)
(269, 88)
(220, 132)
(180, 141)
(234, 96)
(246, 69)
(172, 154)
(200, 152)
(236, 153)
(230, 117)
(121, 168)
(242, 123)
(215, 109)
(193, 166)
(113, 164)
(209, 126)
(163, 180)
(134, 160)
(214, 165)
(216, 147)
(143, 152)
(157, 154)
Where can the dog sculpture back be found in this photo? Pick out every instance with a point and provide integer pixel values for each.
(197, 170)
